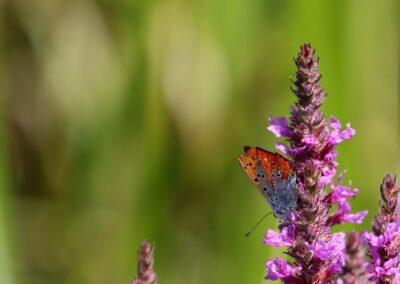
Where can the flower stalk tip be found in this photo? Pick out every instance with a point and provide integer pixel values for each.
(384, 240)
(145, 273)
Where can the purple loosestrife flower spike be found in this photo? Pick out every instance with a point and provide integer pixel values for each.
(145, 271)
(319, 255)
(355, 269)
(384, 240)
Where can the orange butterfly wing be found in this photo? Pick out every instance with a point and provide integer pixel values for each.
(269, 161)
(274, 177)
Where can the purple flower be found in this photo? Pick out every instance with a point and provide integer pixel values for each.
(340, 192)
(328, 173)
(284, 238)
(332, 250)
(342, 215)
(311, 142)
(337, 135)
(384, 240)
(305, 143)
(279, 127)
(380, 270)
(278, 268)
(282, 147)
(339, 195)
(392, 230)
(330, 156)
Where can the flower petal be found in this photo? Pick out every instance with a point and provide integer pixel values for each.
(279, 127)
(337, 135)
(332, 250)
(282, 147)
(284, 238)
(356, 218)
(278, 268)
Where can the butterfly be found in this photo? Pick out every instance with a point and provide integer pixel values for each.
(274, 177)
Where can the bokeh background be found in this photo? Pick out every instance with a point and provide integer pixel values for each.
(122, 120)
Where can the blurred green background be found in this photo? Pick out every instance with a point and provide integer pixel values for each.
(123, 120)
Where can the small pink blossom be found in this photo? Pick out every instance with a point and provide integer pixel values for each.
(337, 135)
(284, 238)
(279, 127)
(332, 250)
(310, 141)
(278, 268)
(388, 268)
(282, 147)
(392, 230)
(339, 195)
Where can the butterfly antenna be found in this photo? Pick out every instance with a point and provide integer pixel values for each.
(258, 223)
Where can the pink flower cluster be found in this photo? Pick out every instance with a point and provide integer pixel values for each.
(380, 268)
(318, 255)
(383, 242)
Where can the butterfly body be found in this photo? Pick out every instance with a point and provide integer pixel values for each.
(274, 178)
